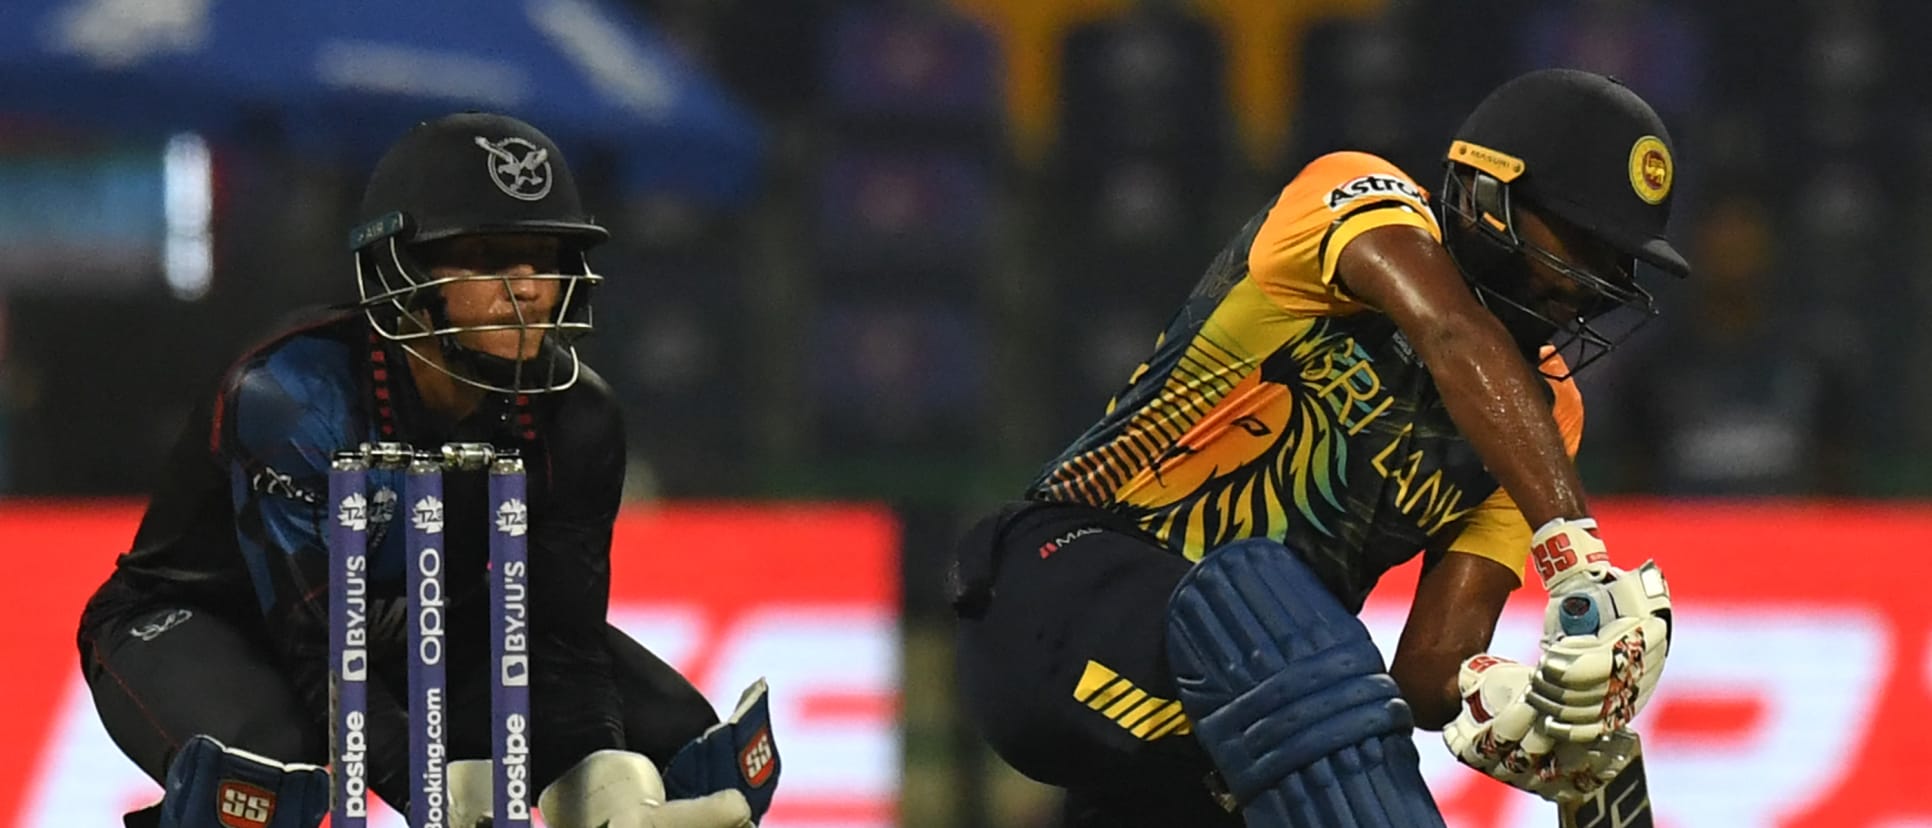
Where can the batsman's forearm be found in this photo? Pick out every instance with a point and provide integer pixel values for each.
(1428, 684)
(1495, 400)
(1453, 617)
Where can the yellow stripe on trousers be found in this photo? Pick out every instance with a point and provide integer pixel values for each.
(1147, 717)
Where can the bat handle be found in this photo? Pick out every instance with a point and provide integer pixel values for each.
(1578, 614)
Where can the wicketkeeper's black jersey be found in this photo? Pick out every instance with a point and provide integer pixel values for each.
(237, 525)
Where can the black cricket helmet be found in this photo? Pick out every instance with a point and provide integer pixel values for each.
(474, 173)
(1587, 150)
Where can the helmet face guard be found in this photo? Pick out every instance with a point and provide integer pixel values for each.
(1479, 226)
(404, 304)
(1582, 149)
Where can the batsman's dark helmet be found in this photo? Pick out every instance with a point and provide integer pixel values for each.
(1583, 148)
(473, 173)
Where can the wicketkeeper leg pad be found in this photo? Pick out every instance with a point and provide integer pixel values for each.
(737, 753)
(1290, 697)
(211, 785)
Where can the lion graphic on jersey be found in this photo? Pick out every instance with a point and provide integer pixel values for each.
(1271, 446)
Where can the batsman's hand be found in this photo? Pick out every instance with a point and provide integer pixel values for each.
(1597, 672)
(1569, 772)
(1490, 733)
(1574, 770)
(1568, 552)
(1500, 733)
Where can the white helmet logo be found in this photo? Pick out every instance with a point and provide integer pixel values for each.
(519, 168)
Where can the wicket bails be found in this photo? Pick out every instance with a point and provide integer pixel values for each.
(356, 511)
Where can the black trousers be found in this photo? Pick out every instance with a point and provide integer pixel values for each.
(1062, 615)
(162, 672)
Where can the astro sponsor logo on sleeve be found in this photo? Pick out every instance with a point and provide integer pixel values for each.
(1373, 185)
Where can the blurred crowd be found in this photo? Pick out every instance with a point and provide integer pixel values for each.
(998, 201)
(974, 216)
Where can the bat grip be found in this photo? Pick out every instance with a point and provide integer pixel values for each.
(1578, 614)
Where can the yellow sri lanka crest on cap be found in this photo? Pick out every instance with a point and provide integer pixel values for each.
(1651, 170)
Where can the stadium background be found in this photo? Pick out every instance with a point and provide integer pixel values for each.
(911, 252)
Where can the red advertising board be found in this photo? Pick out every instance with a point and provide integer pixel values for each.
(1798, 692)
(806, 596)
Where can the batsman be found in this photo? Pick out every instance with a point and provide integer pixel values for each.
(207, 649)
(1165, 625)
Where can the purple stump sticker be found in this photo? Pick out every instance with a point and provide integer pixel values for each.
(509, 642)
(428, 688)
(348, 640)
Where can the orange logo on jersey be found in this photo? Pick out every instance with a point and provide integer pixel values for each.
(1651, 170)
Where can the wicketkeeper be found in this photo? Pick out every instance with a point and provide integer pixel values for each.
(207, 649)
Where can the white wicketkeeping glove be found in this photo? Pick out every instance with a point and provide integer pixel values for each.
(469, 785)
(620, 789)
(1596, 674)
(1501, 734)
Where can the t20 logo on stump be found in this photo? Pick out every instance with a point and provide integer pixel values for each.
(241, 805)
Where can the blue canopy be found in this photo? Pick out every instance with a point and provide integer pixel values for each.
(347, 77)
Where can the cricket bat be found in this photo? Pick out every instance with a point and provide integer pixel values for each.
(1623, 802)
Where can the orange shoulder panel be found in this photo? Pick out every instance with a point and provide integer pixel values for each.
(1331, 201)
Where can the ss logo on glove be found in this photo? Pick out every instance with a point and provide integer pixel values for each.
(244, 805)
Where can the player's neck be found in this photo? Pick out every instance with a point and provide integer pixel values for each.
(442, 395)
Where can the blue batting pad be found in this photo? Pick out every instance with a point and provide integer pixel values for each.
(1289, 696)
(738, 753)
(211, 785)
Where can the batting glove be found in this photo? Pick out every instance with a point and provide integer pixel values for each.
(1590, 684)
